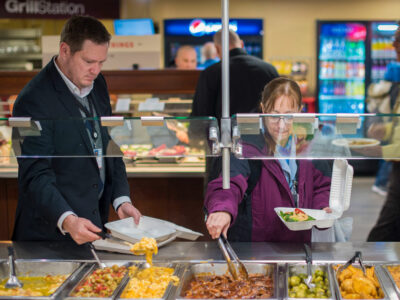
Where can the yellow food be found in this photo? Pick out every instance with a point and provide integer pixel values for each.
(149, 283)
(34, 286)
(355, 285)
(395, 272)
(146, 246)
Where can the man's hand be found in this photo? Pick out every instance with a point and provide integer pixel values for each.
(218, 222)
(127, 210)
(81, 229)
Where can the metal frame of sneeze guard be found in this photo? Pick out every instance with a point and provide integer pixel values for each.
(350, 118)
(152, 121)
(112, 121)
(20, 121)
(213, 136)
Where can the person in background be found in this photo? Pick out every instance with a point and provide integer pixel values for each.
(248, 76)
(209, 55)
(248, 215)
(62, 189)
(186, 58)
(387, 227)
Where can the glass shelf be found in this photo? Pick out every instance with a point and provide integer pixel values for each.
(133, 138)
(168, 139)
(315, 136)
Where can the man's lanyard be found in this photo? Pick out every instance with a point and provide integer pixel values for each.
(90, 124)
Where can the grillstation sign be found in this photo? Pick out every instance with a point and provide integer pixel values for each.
(58, 9)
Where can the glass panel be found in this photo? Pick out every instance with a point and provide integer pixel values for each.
(316, 136)
(131, 138)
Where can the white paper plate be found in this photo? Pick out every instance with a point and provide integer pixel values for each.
(322, 218)
(117, 245)
(127, 230)
(356, 143)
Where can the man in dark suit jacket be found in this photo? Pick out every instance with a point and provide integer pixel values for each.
(66, 183)
(248, 76)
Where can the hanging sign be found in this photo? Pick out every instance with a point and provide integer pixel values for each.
(58, 9)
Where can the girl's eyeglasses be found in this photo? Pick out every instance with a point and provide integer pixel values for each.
(285, 119)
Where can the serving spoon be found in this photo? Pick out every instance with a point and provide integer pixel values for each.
(12, 281)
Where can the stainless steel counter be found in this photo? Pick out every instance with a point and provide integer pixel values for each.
(203, 251)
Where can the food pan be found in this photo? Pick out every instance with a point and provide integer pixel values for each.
(395, 283)
(42, 268)
(90, 271)
(269, 269)
(170, 288)
(301, 268)
(337, 289)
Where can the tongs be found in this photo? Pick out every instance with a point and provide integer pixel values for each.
(357, 256)
(228, 252)
(308, 280)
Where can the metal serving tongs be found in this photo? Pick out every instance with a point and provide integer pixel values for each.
(228, 252)
(12, 281)
(351, 261)
(308, 280)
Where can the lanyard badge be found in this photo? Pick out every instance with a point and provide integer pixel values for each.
(98, 152)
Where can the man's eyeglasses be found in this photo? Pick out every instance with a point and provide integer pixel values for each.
(285, 119)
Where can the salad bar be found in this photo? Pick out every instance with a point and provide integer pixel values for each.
(196, 270)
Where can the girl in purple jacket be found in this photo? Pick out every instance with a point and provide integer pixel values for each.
(245, 212)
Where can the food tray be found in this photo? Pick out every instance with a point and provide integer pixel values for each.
(170, 288)
(385, 268)
(339, 200)
(119, 246)
(43, 268)
(90, 270)
(322, 219)
(220, 269)
(337, 289)
(295, 269)
(127, 230)
(161, 230)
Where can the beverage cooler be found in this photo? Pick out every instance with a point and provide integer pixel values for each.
(351, 55)
(196, 32)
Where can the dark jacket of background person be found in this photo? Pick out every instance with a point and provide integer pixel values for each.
(248, 76)
(50, 186)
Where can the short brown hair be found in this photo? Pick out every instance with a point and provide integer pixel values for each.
(80, 28)
(234, 39)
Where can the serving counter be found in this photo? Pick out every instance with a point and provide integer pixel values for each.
(186, 254)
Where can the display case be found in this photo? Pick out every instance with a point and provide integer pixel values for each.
(20, 49)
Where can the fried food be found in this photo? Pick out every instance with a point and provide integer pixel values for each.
(146, 246)
(149, 283)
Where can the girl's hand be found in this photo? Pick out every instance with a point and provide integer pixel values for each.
(327, 209)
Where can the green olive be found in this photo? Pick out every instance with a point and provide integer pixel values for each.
(301, 294)
(302, 286)
(292, 295)
(294, 280)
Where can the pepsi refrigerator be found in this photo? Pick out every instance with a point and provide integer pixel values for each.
(351, 55)
(196, 32)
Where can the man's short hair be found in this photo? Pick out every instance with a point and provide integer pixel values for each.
(80, 28)
(234, 39)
